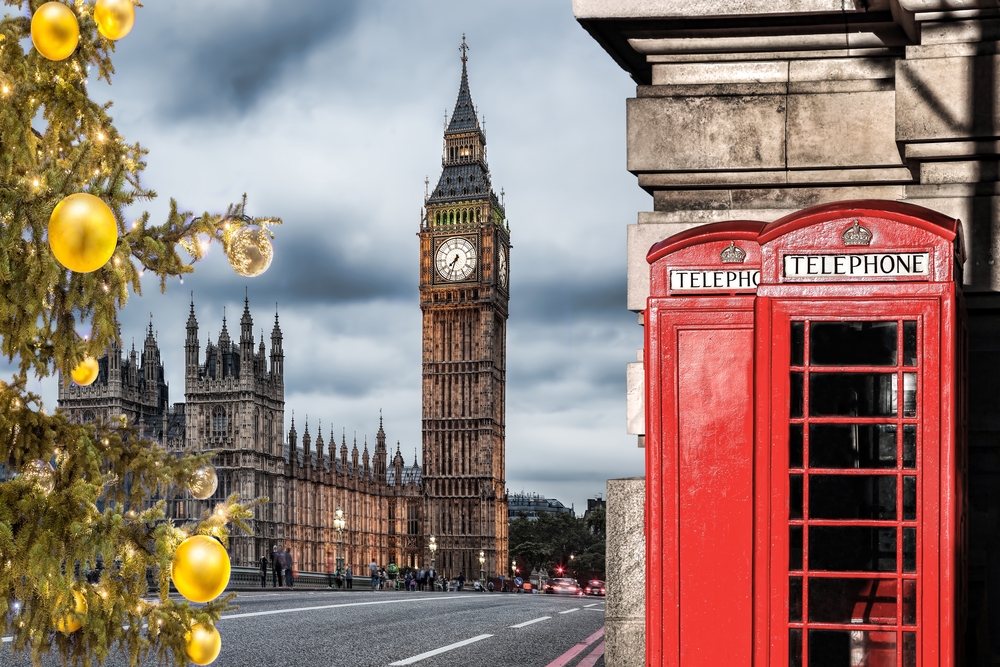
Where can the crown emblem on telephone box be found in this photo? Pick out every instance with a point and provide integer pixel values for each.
(857, 235)
(733, 254)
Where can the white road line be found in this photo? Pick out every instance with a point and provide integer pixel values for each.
(591, 605)
(7, 640)
(570, 611)
(336, 606)
(536, 620)
(600, 609)
(423, 656)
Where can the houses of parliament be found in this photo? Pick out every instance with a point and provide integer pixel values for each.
(234, 406)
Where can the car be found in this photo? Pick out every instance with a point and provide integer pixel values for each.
(563, 586)
(594, 587)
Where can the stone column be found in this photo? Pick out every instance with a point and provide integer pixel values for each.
(625, 611)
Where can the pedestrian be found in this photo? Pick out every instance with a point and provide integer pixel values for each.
(263, 571)
(413, 584)
(461, 581)
(431, 578)
(407, 579)
(489, 586)
(421, 579)
(373, 573)
(289, 564)
(381, 579)
(350, 578)
(330, 573)
(276, 566)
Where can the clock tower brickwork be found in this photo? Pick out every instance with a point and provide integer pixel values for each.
(464, 292)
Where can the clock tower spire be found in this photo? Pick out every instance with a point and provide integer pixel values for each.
(464, 256)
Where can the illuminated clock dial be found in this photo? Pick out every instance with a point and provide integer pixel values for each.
(456, 259)
(502, 267)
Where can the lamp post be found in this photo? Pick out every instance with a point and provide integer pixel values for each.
(433, 547)
(513, 574)
(482, 569)
(339, 524)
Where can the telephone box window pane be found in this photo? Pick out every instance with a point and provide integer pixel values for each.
(909, 343)
(852, 497)
(909, 550)
(852, 549)
(798, 342)
(795, 547)
(909, 649)
(852, 394)
(794, 647)
(852, 343)
(852, 601)
(909, 394)
(795, 599)
(795, 445)
(910, 446)
(909, 498)
(795, 497)
(795, 396)
(852, 445)
(909, 602)
(851, 648)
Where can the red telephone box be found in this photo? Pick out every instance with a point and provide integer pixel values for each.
(855, 459)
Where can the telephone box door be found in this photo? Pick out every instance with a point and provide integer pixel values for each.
(855, 441)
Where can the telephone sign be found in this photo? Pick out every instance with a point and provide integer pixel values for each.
(806, 443)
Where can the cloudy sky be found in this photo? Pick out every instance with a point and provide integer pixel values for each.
(330, 115)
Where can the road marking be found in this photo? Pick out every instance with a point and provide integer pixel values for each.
(536, 620)
(437, 651)
(591, 605)
(592, 657)
(337, 606)
(570, 611)
(600, 609)
(564, 659)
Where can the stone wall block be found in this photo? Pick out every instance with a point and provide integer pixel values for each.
(692, 133)
(842, 130)
(635, 398)
(947, 98)
(640, 239)
(625, 611)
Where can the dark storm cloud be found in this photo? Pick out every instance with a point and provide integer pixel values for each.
(552, 298)
(225, 71)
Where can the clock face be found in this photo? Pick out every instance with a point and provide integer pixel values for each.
(456, 259)
(502, 267)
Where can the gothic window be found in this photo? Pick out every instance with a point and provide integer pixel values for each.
(218, 421)
(448, 180)
(439, 217)
(412, 519)
(88, 416)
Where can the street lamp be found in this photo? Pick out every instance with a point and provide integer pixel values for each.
(513, 573)
(339, 524)
(482, 569)
(433, 547)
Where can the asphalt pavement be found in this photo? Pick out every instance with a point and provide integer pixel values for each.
(376, 629)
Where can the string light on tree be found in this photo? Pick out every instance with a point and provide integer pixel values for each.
(82, 232)
(55, 31)
(114, 17)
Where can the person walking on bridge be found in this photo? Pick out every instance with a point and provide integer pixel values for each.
(276, 567)
(350, 578)
(373, 572)
(263, 571)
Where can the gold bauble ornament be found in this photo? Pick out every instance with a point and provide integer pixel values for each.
(68, 623)
(114, 17)
(42, 474)
(82, 232)
(55, 31)
(250, 251)
(200, 569)
(203, 644)
(86, 372)
(203, 483)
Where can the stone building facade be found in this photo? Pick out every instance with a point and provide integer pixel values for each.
(754, 110)
(464, 292)
(234, 407)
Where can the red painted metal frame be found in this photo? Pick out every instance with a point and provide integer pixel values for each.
(676, 637)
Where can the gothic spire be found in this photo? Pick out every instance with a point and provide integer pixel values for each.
(463, 118)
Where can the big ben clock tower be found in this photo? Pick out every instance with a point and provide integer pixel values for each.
(464, 260)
